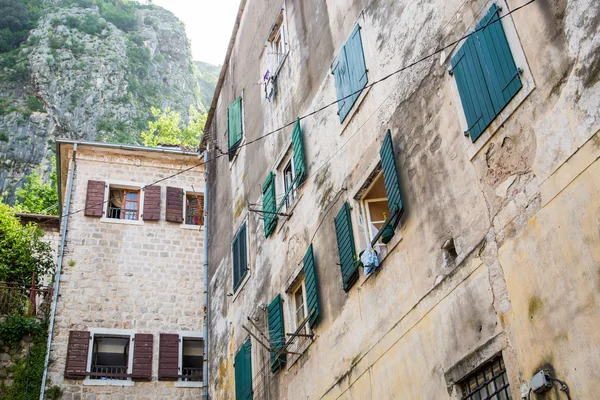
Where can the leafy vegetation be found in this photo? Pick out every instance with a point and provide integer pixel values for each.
(22, 250)
(17, 18)
(16, 326)
(35, 104)
(168, 128)
(37, 197)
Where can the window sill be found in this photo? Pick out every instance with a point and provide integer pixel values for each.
(192, 227)
(99, 382)
(121, 221)
(197, 384)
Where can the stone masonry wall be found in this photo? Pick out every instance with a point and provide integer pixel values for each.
(145, 277)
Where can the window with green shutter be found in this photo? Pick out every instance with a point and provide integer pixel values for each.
(234, 125)
(390, 177)
(243, 372)
(486, 74)
(298, 148)
(240, 257)
(269, 205)
(350, 72)
(276, 334)
(346, 250)
(312, 288)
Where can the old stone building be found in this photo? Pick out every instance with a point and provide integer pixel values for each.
(406, 201)
(129, 317)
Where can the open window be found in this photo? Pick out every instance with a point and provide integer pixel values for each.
(110, 357)
(376, 209)
(123, 203)
(194, 209)
(191, 359)
(277, 49)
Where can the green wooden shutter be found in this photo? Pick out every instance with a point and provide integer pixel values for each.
(500, 70)
(343, 85)
(356, 64)
(240, 257)
(312, 287)
(298, 148)
(269, 206)
(234, 123)
(486, 74)
(243, 372)
(390, 174)
(346, 250)
(276, 334)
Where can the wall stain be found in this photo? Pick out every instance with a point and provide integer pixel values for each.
(535, 305)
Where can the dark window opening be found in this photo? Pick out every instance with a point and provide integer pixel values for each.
(194, 213)
(489, 382)
(124, 204)
(192, 359)
(110, 357)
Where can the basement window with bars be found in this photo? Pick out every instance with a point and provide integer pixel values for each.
(123, 204)
(488, 382)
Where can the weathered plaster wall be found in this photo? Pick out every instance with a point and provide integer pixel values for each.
(146, 278)
(421, 316)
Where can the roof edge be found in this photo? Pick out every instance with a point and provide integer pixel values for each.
(128, 147)
(213, 103)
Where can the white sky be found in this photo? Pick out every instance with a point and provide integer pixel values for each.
(208, 24)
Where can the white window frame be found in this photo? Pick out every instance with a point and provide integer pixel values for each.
(110, 332)
(276, 59)
(300, 286)
(294, 194)
(179, 382)
(123, 185)
(186, 192)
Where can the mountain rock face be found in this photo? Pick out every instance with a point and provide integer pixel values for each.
(90, 71)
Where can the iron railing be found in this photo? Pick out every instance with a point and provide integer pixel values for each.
(25, 299)
(108, 372)
(191, 374)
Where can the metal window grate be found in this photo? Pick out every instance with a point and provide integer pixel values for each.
(489, 382)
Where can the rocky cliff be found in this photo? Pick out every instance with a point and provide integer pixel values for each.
(89, 70)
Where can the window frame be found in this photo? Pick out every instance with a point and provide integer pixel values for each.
(299, 345)
(236, 148)
(238, 290)
(87, 381)
(191, 192)
(190, 384)
(123, 185)
(484, 368)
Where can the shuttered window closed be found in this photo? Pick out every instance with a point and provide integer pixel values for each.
(486, 74)
(143, 345)
(346, 249)
(174, 204)
(269, 206)
(298, 148)
(151, 203)
(243, 372)
(234, 124)
(168, 357)
(94, 200)
(276, 334)
(77, 354)
(350, 72)
(240, 257)
(390, 176)
(312, 287)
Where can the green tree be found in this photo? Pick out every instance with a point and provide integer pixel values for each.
(38, 197)
(22, 250)
(168, 128)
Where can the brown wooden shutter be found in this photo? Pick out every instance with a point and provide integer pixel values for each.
(94, 201)
(151, 203)
(77, 354)
(174, 204)
(143, 345)
(168, 357)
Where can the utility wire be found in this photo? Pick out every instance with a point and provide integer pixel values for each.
(382, 79)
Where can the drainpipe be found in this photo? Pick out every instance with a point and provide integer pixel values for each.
(61, 252)
(205, 335)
